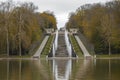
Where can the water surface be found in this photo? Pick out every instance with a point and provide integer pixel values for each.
(60, 69)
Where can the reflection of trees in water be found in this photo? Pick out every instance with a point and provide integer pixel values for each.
(103, 68)
(81, 68)
(13, 69)
(61, 69)
(18, 70)
(70, 69)
(27, 70)
(3, 71)
(42, 71)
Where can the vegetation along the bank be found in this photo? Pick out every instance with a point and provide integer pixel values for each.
(100, 24)
(22, 27)
(75, 45)
(47, 47)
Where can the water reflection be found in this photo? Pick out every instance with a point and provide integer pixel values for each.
(84, 69)
(25, 70)
(9, 71)
(60, 69)
(64, 69)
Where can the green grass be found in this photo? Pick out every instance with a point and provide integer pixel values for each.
(15, 56)
(75, 46)
(108, 56)
(47, 47)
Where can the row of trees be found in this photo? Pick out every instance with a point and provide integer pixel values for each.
(21, 26)
(100, 23)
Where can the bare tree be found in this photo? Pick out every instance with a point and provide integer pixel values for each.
(107, 29)
(7, 8)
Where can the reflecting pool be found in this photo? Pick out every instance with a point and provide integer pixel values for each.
(60, 69)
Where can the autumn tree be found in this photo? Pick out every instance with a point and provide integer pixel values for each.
(48, 20)
(99, 23)
(6, 10)
(22, 28)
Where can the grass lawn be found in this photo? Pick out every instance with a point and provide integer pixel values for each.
(15, 56)
(47, 47)
(108, 56)
(75, 46)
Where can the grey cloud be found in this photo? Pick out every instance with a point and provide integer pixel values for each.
(58, 6)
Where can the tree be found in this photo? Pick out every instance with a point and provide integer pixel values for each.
(107, 26)
(48, 20)
(22, 28)
(23, 16)
(100, 24)
(7, 11)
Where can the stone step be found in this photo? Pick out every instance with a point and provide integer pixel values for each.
(61, 51)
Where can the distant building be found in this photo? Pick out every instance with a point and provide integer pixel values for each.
(49, 30)
(62, 29)
(73, 30)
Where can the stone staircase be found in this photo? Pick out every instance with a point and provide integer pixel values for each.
(62, 50)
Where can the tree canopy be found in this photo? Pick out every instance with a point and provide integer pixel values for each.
(100, 24)
(21, 27)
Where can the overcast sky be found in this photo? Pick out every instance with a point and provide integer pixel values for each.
(61, 8)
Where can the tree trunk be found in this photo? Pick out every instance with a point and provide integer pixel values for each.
(19, 46)
(109, 47)
(20, 41)
(7, 40)
(20, 37)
